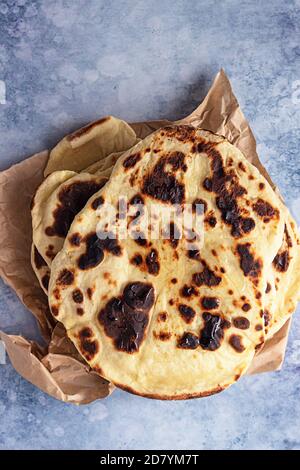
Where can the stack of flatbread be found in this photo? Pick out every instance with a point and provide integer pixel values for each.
(169, 260)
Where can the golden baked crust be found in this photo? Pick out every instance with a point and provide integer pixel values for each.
(153, 317)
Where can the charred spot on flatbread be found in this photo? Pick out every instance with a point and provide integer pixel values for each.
(54, 310)
(194, 253)
(188, 341)
(152, 262)
(137, 259)
(90, 292)
(212, 333)
(227, 189)
(138, 204)
(206, 277)
(268, 288)
(211, 221)
(177, 161)
(89, 346)
(207, 184)
(199, 206)
(56, 293)
(97, 202)
(236, 343)
(188, 291)
(139, 238)
(72, 198)
(173, 234)
(137, 199)
(242, 167)
(162, 317)
(75, 239)
(38, 259)
(267, 317)
(246, 307)
(249, 265)
(187, 313)
(45, 281)
(210, 303)
(162, 335)
(50, 253)
(65, 278)
(163, 185)
(132, 160)
(281, 261)
(77, 296)
(183, 133)
(86, 129)
(241, 323)
(265, 210)
(95, 248)
(125, 318)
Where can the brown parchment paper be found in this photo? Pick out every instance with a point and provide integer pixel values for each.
(57, 368)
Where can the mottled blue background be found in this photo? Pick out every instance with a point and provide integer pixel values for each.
(67, 62)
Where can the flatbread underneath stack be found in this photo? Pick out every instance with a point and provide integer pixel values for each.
(56, 202)
(152, 316)
(90, 144)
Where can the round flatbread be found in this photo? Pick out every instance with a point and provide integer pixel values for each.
(90, 144)
(178, 316)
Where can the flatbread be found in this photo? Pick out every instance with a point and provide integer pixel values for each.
(56, 202)
(153, 317)
(90, 144)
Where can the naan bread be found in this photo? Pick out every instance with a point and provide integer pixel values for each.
(151, 315)
(56, 202)
(90, 144)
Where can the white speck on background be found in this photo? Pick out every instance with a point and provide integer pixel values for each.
(116, 65)
(12, 396)
(97, 412)
(23, 51)
(91, 75)
(59, 431)
(69, 73)
(3, 9)
(62, 119)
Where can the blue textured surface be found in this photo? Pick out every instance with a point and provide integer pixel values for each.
(67, 62)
